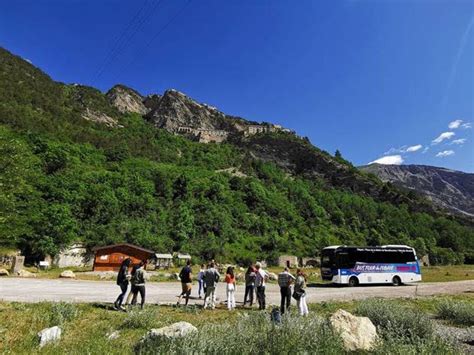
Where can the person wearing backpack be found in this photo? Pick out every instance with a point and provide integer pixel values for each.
(285, 279)
(186, 282)
(300, 292)
(249, 285)
(211, 278)
(138, 284)
(122, 281)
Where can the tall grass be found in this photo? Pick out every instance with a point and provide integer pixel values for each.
(140, 319)
(253, 333)
(457, 312)
(62, 312)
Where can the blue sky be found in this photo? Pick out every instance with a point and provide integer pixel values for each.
(374, 79)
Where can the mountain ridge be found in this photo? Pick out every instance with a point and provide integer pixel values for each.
(450, 189)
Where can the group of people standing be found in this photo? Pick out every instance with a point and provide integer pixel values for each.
(208, 277)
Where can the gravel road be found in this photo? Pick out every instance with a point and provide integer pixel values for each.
(37, 290)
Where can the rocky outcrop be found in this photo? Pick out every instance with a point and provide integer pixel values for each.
(357, 333)
(449, 189)
(99, 117)
(49, 335)
(126, 100)
(177, 111)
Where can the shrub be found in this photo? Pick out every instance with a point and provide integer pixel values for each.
(458, 312)
(394, 320)
(404, 346)
(254, 333)
(139, 319)
(62, 312)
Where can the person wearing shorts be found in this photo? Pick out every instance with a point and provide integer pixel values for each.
(186, 282)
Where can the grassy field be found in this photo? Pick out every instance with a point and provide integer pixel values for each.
(447, 273)
(86, 326)
(429, 274)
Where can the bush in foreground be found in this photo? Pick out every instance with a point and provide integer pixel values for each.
(253, 333)
(457, 312)
(394, 320)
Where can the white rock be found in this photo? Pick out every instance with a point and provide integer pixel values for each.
(4, 272)
(49, 335)
(357, 333)
(175, 330)
(114, 335)
(68, 274)
(25, 273)
(272, 276)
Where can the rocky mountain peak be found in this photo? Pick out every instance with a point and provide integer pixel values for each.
(126, 100)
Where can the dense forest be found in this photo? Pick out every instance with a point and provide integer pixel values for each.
(65, 179)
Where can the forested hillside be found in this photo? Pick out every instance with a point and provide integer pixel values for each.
(74, 168)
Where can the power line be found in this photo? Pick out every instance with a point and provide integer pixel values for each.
(135, 25)
(118, 42)
(156, 35)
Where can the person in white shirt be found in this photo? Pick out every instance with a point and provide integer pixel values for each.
(260, 278)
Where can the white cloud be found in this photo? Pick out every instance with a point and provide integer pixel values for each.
(403, 149)
(443, 136)
(425, 150)
(455, 124)
(459, 141)
(414, 148)
(466, 125)
(389, 160)
(445, 153)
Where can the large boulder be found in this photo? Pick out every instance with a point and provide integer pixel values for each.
(4, 272)
(25, 273)
(175, 330)
(67, 274)
(49, 335)
(357, 333)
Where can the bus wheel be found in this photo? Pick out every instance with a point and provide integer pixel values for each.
(353, 281)
(396, 281)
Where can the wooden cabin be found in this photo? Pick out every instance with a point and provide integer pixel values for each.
(109, 257)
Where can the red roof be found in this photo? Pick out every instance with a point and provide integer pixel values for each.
(123, 245)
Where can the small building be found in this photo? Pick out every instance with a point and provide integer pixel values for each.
(109, 257)
(163, 261)
(289, 261)
(76, 255)
(182, 258)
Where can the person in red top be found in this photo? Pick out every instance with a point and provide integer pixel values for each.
(230, 282)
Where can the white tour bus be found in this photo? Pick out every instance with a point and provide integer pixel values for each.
(394, 264)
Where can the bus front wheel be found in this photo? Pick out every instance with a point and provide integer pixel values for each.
(353, 281)
(396, 281)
